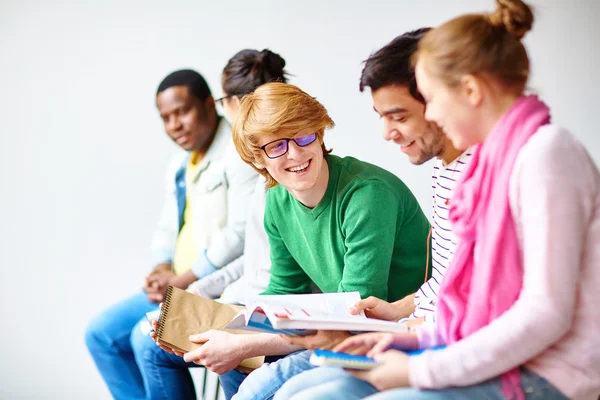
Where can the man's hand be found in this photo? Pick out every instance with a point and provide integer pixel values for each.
(156, 284)
(391, 373)
(183, 281)
(220, 353)
(405, 306)
(414, 323)
(162, 267)
(376, 308)
(159, 269)
(319, 340)
(378, 342)
(165, 348)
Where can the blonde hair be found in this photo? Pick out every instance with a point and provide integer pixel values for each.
(278, 109)
(482, 45)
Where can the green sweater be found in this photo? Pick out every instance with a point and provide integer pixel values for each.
(367, 234)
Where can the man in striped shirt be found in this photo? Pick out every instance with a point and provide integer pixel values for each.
(390, 76)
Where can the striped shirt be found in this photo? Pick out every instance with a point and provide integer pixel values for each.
(443, 240)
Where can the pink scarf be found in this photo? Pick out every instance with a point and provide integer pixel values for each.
(471, 296)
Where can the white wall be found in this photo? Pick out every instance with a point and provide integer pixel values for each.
(82, 149)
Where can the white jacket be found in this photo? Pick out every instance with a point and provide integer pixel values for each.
(219, 196)
(248, 274)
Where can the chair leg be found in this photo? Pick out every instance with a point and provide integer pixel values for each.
(204, 380)
(218, 389)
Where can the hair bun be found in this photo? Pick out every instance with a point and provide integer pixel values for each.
(271, 62)
(514, 15)
(250, 68)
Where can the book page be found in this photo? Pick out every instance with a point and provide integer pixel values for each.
(303, 305)
(300, 314)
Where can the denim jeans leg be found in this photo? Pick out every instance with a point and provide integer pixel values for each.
(107, 339)
(350, 388)
(342, 387)
(309, 379)
(165, 375)
(231, 381)
(263, 382)
(534, 387)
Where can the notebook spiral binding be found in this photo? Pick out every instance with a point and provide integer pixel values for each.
(164, 311)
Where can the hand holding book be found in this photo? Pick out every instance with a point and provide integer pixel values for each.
(389, 369)
(300, 314)
(184, 314)
(318, 340)
(219, 351)
(374, 343)
(187, 321)
(159, 344)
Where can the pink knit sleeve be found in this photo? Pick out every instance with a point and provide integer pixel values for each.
(551, 201)
(428, 336)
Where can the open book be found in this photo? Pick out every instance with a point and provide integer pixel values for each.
(300, 314)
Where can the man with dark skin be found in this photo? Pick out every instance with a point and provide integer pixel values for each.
(201, 228)
(192, 124)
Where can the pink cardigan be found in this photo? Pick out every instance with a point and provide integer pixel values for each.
(554, 327)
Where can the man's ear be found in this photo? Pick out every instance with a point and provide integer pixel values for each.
(209, 104)
(472, 88)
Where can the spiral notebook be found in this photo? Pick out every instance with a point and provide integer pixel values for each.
(184, 314)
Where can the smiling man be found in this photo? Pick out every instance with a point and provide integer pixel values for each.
(202, 228)
(340, 223)
(389, 75)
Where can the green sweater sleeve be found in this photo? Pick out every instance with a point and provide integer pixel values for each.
(369, 223)
(286, 275)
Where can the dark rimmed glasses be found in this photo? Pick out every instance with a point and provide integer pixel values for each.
(220, 100)
(279, 147)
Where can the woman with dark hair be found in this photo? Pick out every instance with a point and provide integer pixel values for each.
(244, 72)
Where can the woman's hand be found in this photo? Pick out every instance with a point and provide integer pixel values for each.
(377, 308)
(319, 340)
(392, 371)
(378, 342)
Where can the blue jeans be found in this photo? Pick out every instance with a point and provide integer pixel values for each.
(131, 364)
(231, 381)
(263, 382)
(314, 378)
(333, 383)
